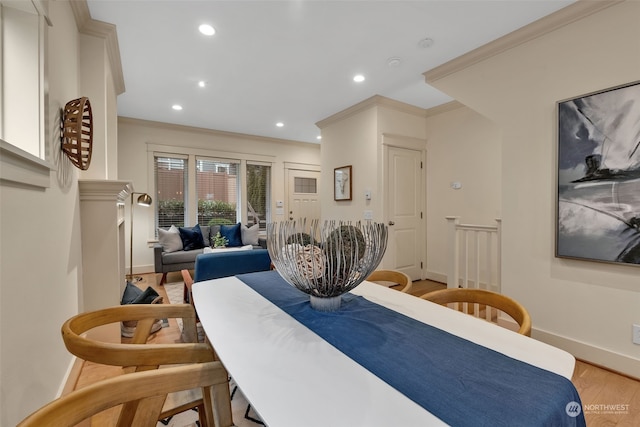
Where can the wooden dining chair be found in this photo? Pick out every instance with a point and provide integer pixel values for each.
(144, 393)
(138, 354)
(392, 276)
(478, 302)
(187, 296)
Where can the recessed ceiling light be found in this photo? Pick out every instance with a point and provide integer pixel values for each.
(202, 83)
(207, 29)
(176, 107)
(280, 124)
(358, 78)
(425, 43)
(319, 137)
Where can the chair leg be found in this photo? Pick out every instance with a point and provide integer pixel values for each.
(250, 418)
(202, 416)
(163, 280)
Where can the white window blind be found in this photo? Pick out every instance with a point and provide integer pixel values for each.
(217, 184)
(171, 190)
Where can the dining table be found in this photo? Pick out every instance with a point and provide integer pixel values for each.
(384, 358)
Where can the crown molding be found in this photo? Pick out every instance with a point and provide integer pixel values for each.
(104, 190)
(574, 12)
(444, 108)
(222, 133)
(91, 27)
(374, 101)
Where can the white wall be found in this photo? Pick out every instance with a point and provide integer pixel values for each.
(464, 147)
(135, 164)
(585, 307)
(355, 137)
(40, 252)
(351, 141)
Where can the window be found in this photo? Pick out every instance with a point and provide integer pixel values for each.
(305, 185)
(194, 189)
(217, 191)
(171, 191)
(258, 194)
(22, 75)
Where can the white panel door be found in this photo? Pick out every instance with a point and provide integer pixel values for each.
(304, 195)
(404, 204)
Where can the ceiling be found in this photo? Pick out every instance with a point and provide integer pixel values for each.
(292, 61)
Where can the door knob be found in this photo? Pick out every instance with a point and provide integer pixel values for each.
(392, 223)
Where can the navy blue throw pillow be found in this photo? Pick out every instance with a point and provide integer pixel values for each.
(232, 233)
(191, 237)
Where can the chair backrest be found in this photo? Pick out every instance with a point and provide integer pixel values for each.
(133, 356)
(146, 391)
(229, 263)
(143, 357)
(477, 301)
(392, 276)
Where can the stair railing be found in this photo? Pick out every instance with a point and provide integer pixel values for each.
(474, 255)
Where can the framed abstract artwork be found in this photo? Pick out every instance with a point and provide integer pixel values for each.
(598, 206)
(342, 183)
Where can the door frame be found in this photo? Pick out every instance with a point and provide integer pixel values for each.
(389, 140)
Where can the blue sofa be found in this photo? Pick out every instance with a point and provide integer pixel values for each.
(223, 264)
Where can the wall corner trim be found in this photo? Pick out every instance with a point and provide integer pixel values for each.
(374, 101)
(91, 27)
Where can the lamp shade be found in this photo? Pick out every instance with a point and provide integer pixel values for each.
(144, 200)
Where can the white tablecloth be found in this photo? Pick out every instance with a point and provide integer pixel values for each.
(292, 377)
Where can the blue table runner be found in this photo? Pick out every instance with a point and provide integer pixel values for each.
(460, 382)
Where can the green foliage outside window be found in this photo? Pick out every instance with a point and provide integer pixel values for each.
(170, 212)
(210, 212)
(216, 212)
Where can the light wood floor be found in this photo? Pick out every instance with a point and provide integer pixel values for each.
(608, 399)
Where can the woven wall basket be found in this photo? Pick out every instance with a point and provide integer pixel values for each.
(77, 132)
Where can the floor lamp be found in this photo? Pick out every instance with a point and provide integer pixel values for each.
(143, 200)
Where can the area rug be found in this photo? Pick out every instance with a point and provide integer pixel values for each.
(239, 404)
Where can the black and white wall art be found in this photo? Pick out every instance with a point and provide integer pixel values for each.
(598, 209)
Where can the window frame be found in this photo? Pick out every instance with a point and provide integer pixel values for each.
(185, 190)
(154, 149)
(240, 183)
(18, 165)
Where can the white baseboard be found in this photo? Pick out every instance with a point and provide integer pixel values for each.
(442, 278)
(142, 269)
(69, 375)
(436, 277)
(621, 363)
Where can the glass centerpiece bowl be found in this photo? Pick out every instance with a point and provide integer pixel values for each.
(328, 260)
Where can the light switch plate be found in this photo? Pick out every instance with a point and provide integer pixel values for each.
(368, 214)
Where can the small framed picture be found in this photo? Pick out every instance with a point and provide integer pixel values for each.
(342, 183)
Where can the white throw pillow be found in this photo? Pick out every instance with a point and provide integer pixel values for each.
(249, 235)
(170, 239)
